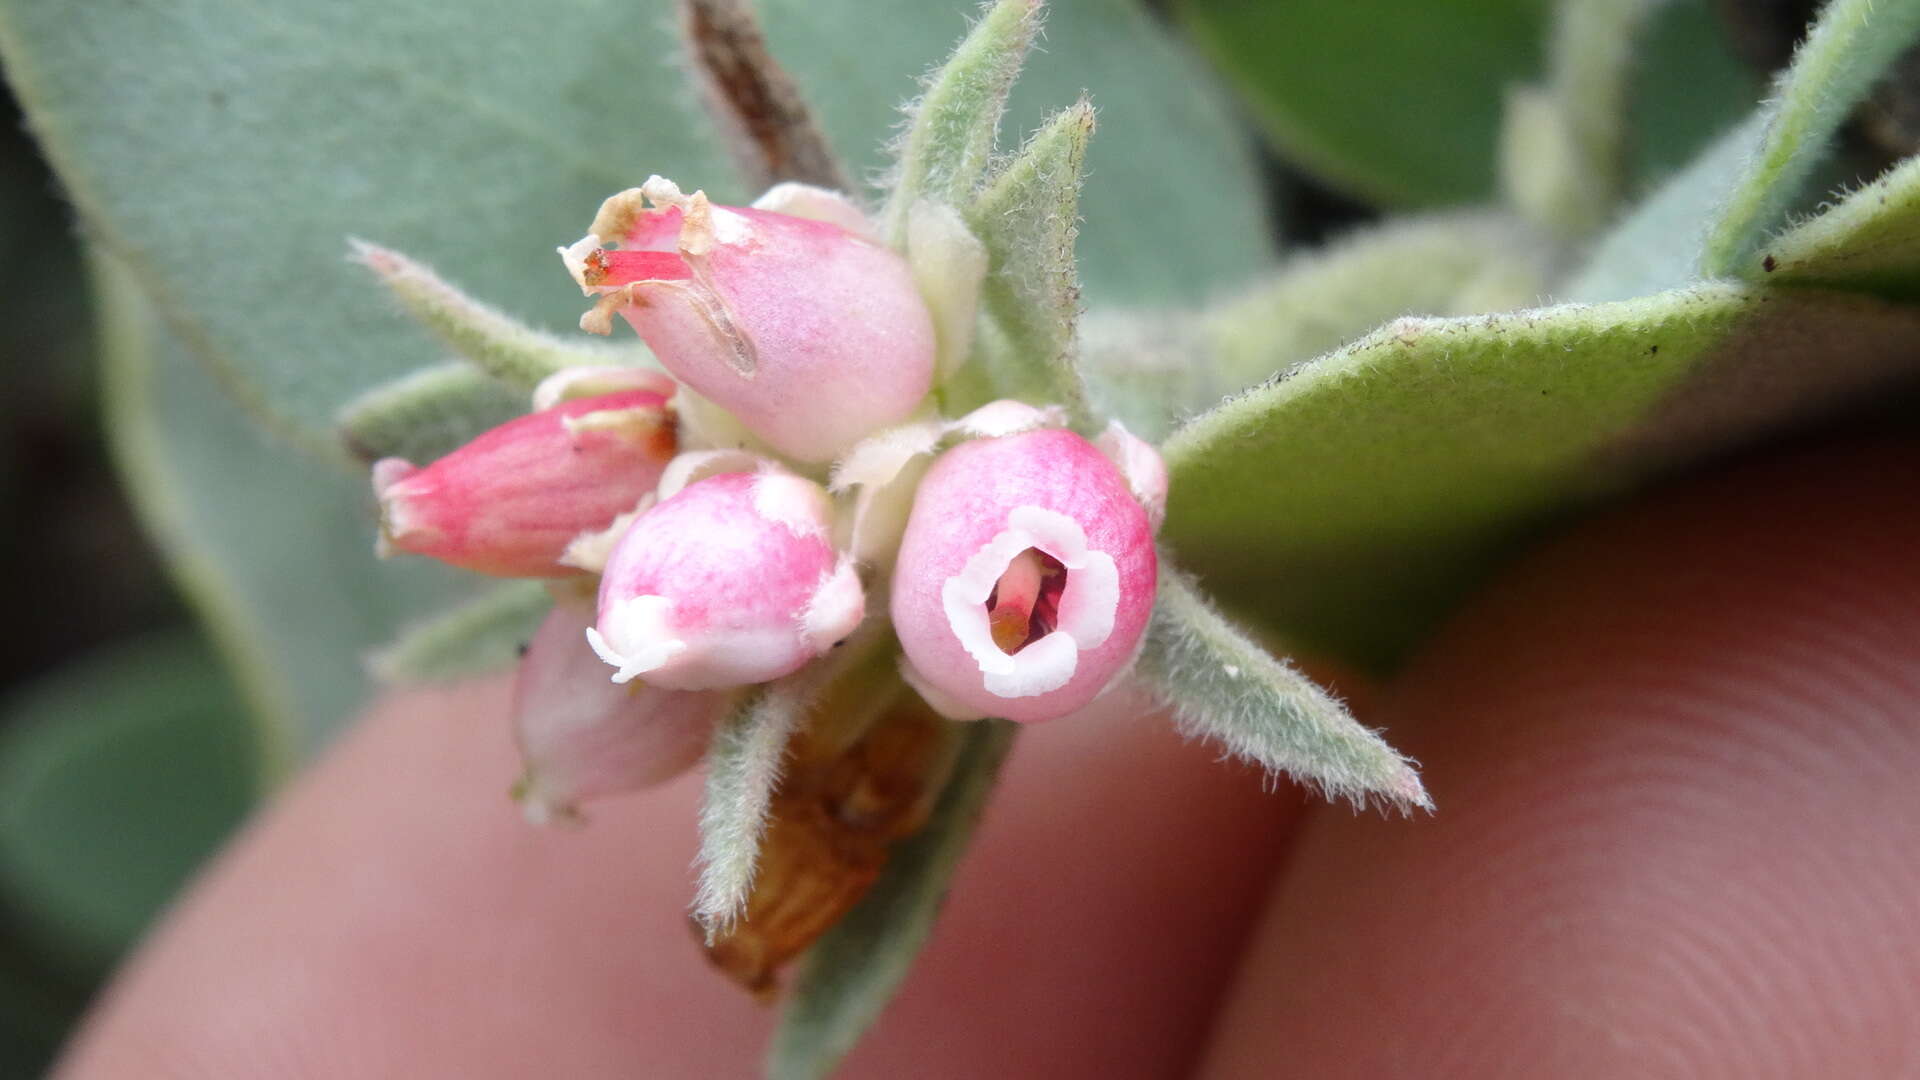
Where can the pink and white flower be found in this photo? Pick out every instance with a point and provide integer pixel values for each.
(583, 738)
(509, 502)
(1025, 577)
(731, 580)
(812, 335)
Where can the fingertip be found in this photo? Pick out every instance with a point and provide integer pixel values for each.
(393, 915)
(1672, 756)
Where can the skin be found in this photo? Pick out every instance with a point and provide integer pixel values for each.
(1673, 755)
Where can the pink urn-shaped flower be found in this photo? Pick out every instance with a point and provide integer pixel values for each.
(509, 502)
(1026, 575)
(812, 335)
(584, 738)
(731, 580)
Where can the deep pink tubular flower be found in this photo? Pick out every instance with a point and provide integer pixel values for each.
(731, 580)
(811, 335)
(1025, 577)
(584, 738)
(509, 502)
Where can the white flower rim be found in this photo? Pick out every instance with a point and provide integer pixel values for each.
(1088, 603)
(640, 636)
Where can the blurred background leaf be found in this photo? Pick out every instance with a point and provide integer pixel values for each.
(118, 775)
(274, 549)
(1175, 208)
(1395, 101)
(1399, 102)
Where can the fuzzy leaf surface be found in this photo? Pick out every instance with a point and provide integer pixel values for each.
(1223, 687)
(851, 973)
(743, 767)
(1846, 51)
(427, 414)
(954, 126)
(1869, 242)
(1354, 499)
(1028, 217)
(1657, 245)
(1150, 368)
(486, 337)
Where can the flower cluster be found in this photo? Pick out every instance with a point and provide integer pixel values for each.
(789, 477)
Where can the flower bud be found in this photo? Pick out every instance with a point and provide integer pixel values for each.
(731, 580)
(584, 738)
(1142, 467)
(812, 335)
(510, 501)
(1025, 578)
(583, 380)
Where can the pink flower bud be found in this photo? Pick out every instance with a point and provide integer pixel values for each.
(812, 335)
(510, 501)
(1025, 577)
(585, 381)
(584, 738)
(731, 580)
(1145, 471)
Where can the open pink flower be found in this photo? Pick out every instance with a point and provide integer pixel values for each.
(731, 580)
(583, 738)
(1025, 578)
(509, 502)
(813, 336)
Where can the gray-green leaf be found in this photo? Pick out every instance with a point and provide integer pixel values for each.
(273, 549)
(479, 635)
(426, 414)
(951, 130)
(226, 152)
(488, 338)
(1177, 209)
(1355, 498)
(1843, 55)
(1027, 218)
(1869, 243)
(743, 767)
(1657, 246)
(1150, 367)
(1223, 687)
(851, 973)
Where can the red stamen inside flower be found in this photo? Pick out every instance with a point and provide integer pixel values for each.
(1025, 603)
(623, 267)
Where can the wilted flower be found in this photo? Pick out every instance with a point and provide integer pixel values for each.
(1025, 577)
(813, 336)
(509, 502)
(731, 580)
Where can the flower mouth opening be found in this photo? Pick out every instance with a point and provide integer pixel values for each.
(1030, 600)
(1024, 605)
